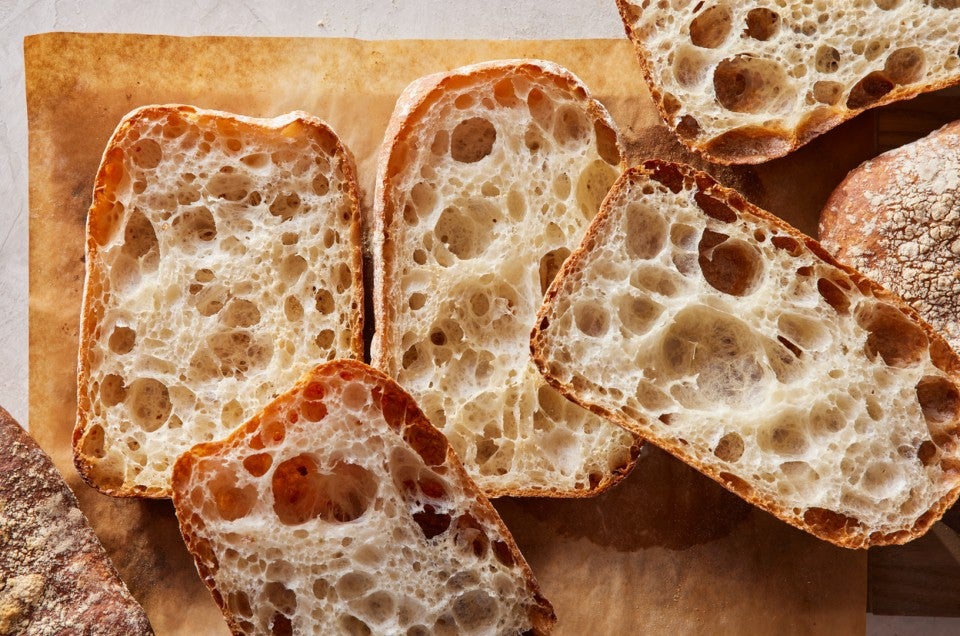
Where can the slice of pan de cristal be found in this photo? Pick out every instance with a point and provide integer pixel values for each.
(718, 332)
(488, 177)
(744, 82)
(896, 218)
(339, 509)
(223, 260)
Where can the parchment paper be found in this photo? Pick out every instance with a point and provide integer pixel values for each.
(666, 551)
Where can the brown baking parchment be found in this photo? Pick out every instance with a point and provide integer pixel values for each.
(666, 551)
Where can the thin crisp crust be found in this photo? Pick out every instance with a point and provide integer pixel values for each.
(400, 512)
(602, 453)
(756, 415)
(763, 124)
(197, 340)
(56, 576)
(896, 218)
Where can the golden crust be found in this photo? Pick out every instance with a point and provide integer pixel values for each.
(541, 615)
(828, 527)
(98, 220)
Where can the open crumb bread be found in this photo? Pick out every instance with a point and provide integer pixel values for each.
(223, 260)
(487, 179)
(744, 82)
(896, 218)
(723, 335)
(55, 577)
(339, 509)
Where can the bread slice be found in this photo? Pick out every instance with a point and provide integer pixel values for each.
(744, 82)
(223, 260)
(340, 509)
(723, 335)
(55, 577)
(487, 178)
(895, 218)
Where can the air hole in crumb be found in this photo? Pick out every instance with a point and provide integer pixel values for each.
(646, 231)
(122, 340)
(292, 309)
(827, 92)
(591, 318)
(899, 341)
(92, 444)
(231, 414)
(592, 186)
(711, 27)
(571, 125)
(905, 66)
(747, 84)
(324, 339)
(195, 223)
(690, 68)
(785, 436)
(549, 266)
(258, 464)
(638, 313)
(505, 94)
(927, 453)
(607, 146)
(714, 207)
(285, 206)
(834, 296)
(417, 301)
(729, 448)
(869, 90)
(240, 313)
(762, 24)
(302, 491)
(324, 302)
(472, 140)
(939, 399)
(476, 611)
(432, 522)
(729, 265)
(541, 108)
(827, 59)
(147, 153)
(148, 402)
(139, 237)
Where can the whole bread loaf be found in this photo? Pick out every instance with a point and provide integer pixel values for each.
(223, 260)
(744, 82)
(721, 334)
(896, 218)
(487, 179)
(55, 577)
(339, 509)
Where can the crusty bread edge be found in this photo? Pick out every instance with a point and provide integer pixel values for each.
(541, 614)
(99, 203)
(733, 147)
(848, 535)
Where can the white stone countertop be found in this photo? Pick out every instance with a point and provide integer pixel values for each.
(366, 19)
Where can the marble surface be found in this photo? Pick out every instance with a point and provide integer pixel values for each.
(368, 19)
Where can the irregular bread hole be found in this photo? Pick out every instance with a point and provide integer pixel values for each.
(592, 186)
(869, 90)
(343, 277)
(441, 143)
(469, 536)
(684, 236)
(423, 197)
(571, 125)
(204, 275)
(897, 339)
(747, 84)
(549, 266)
(788, 244)
(229, 185)
(943, 4)
(794, 349)
(783, 359)
(194, 223)
(377, 607)
(882, 479)
(886, 5)
(541, 108)
(533, 139)
(801, 474)
(729, 265)
(122, 340)
(148, 403)
(146, 153)
(827, 92)
(592, 319)
(292, 309)
(829, 522)
(472, 140)
(905, 66)
(231, 501)
(139, 237)
(656, 279)
(431, 522)
(231, 414)
(354, 584)
(928, 453)
(239, 603)
(714, 207)
(516, 205)
(285, 206)
(354, 396)
(646, 231)
(320, 184)
(834, 296)
(258, 464)
(637, 313)
(240, 313)
(690, 67)
(291, 267)
(785, 436)
(730, 447)
(505, 94)
(467, 229)
(476, 610)
(324, 302)
(340, 493)
(256, 161)
(711, 27)
(112, 390)
(827, 59)
(464, 101)
(561, 186)
(92, 443)
(419, 256)
(762, 24)
(875, 47)
(417, 301)
(283, 599)
(607, 146)
(238, 352)
(939, 399)
(688, 127)
(324, 339)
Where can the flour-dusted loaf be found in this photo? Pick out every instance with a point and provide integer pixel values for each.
(339, 509)
(487, 179)
(721, 334)
(744, 82)
(223, 261)
(55, 577)
(896, 218)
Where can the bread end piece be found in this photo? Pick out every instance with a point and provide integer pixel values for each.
(339, 507)
(718, 332)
